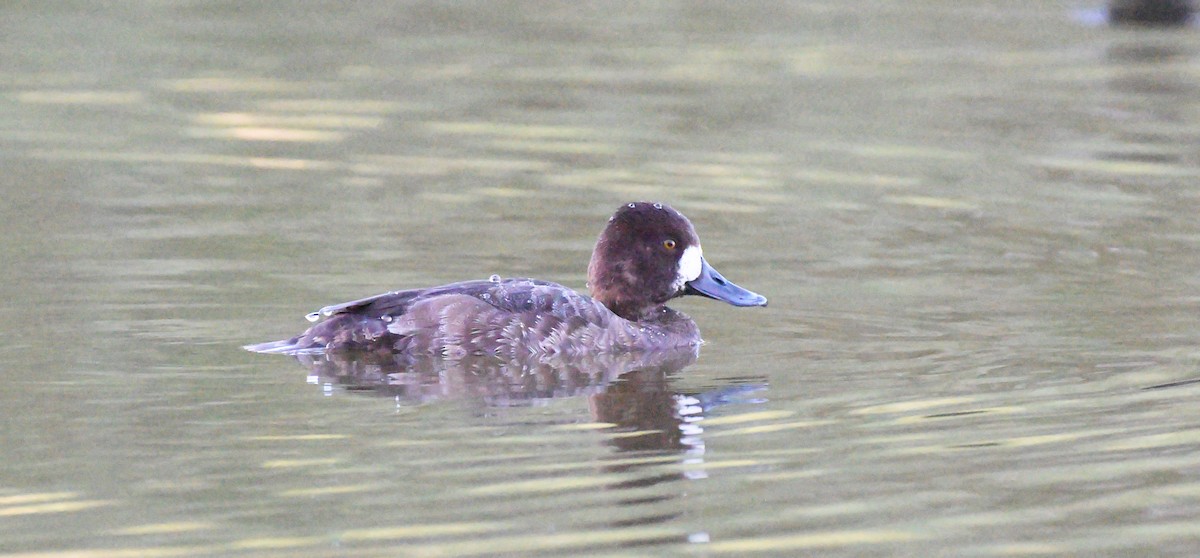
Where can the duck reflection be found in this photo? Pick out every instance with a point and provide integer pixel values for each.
(653, 419)
(497, 382)
(633, 392)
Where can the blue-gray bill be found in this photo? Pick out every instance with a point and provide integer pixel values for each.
(712, 285)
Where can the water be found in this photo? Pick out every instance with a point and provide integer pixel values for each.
(975, 223)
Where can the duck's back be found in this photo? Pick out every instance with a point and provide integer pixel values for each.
(510, 318)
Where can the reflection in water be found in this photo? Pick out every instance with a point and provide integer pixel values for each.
(655, 420)
(1130, 149)
(492, 381)
(631, 392)
(1159, 72)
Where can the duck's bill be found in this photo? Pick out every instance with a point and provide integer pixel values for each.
(712, 285)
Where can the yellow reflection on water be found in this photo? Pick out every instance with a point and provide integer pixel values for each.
(267, 543)
(806, 541)
(765, 428)
(151, 552)
(728, 207)
(332, 106)
(35, 497)
(611, 463)
(909, 406)
(276, 163)
(503, 192)
(1126, 168)
(541, 486)
(822, 176)
(268, 134)
(557, 147)
(913, 419)
(932, 202)
(895, 151)
(709, 464)
(300, 437)
(783, 476)
(80, 97)
(45, 502)
(231, 85)
(415, 165)
(422, 530)
(55, 507)
(712, 170)
(250, 119)
(292, 463)
(1155, 441)
(748, 417)
(165, 528)
(1011, 443)
(327, 490)
(1028, 549)
(635, 433)
(512, 130)
(585, 426)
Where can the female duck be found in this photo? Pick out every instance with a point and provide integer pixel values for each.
(647, 254)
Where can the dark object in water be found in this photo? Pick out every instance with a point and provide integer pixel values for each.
(1150, 12)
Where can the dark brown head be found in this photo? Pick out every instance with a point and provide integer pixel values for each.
(648, 254)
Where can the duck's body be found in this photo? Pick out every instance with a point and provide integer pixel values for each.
(648, 254)
(509, 318)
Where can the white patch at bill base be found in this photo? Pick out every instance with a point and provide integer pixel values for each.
(690, 264)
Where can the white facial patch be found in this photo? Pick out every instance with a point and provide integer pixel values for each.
(689, 266)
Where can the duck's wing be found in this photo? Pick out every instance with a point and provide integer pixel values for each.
(393, 300)
(357, 323)
(520, 296)
(512, 318)
(487, 305)
(512, 295)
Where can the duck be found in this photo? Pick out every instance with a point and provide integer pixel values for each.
(647, 254)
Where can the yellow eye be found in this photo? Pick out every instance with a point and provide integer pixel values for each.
(669, 244)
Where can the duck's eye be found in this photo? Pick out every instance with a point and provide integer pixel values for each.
(669, 244)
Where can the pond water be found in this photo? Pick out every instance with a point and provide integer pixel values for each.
(976, 224)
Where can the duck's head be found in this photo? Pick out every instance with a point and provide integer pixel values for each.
(648, 254)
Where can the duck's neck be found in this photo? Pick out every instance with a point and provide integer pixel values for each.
(634, 311)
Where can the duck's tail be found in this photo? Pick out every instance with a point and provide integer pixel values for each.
(291, 346)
